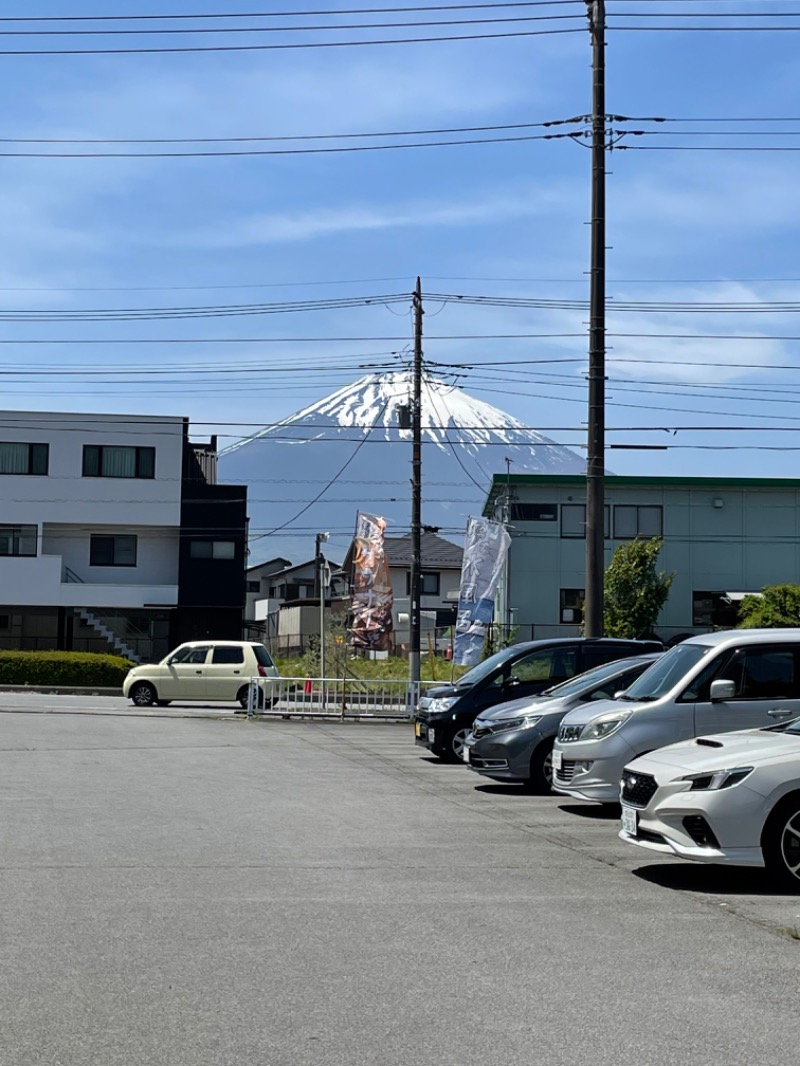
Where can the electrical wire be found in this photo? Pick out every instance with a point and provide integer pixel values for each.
(287, 14)
(182, 49)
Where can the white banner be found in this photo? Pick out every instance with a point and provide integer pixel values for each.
(484, 557)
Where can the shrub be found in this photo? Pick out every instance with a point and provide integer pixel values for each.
(62, 668)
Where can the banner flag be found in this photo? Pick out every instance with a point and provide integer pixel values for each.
(484, 558)
(372, 587)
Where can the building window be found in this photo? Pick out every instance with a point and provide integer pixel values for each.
(212, 549)
(24, 458)
(5, 621)
(533, 512)
(428, 583)
(632, 521)
(254, 586)
(571, 606)
(105, 460)
(18, 540)
(573, 520)
(714, 611)
(117, 550)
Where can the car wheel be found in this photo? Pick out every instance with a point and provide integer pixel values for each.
(780, 844)
(241, 696)
(454, 751)
(143, 694)
(541, 775)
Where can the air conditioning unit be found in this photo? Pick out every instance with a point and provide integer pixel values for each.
(569, 614)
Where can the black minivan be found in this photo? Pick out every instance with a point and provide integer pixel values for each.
(445, 714)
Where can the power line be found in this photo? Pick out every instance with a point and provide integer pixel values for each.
(285, 14)
(283, 46)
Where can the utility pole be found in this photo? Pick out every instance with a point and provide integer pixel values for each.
(320, 560)
(595, 462)
(416, 494)
(506, 564)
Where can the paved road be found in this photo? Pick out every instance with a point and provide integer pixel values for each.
(188, 892)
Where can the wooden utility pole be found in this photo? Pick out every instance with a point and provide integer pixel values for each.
(416, 494)
(595, 462)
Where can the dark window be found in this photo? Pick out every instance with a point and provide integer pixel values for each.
(5, 621)
(553, 665)
(635, 521)
(118, 550)
(24, 458)
(763, 673)
(106, 460)
(573, 520)
(714, 611)
(571, 605)
(534, 512)
(254, 586)
(224, 653)
(428, 583)
(212, 549)
(262, 655)
(18, 540)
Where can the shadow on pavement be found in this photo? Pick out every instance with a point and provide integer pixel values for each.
(713, 880)
(502, 790)
(601, 812)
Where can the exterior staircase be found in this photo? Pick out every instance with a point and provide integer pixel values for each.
(109, 635)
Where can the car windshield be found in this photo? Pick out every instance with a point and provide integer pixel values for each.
(488, 666)
(666, 672)
(588, 679)
(793, 727)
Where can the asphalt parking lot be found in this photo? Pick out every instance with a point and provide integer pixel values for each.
(209, 892)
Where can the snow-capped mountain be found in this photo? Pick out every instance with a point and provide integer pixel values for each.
(349, 451)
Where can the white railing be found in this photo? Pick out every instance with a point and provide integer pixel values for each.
(332, 697)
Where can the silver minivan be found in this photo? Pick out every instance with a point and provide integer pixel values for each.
(714, 683)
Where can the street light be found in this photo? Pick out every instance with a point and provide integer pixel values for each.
(320, 561)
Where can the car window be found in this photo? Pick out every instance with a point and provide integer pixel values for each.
(224, 653)
(180, 655)
(546, 664)
(666, 672)
(763, 672)
(262, 655)
(617, 683)
(198, 655)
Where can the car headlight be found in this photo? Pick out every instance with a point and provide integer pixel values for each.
(718, 779)
(442, 704)
(525, 722)
(605, 725)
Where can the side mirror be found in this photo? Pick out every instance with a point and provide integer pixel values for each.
(722, 690)
(511, 681)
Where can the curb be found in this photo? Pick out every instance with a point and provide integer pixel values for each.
(63, 690)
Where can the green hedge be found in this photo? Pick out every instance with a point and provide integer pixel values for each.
(62, 668)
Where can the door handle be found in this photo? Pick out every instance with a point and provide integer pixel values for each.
(779, 712)
(237, 671)
(198, 671)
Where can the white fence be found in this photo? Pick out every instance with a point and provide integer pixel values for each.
(331, 697)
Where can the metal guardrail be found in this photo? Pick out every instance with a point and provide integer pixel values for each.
(331, 697)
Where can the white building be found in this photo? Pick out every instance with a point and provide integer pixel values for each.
(96, 552)
(723, 537)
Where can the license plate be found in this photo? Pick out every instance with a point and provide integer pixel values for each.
(431, 735)
(557, 760)
(630, 821)
(418, 729)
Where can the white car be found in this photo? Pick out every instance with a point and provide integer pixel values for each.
(728, 798)
(206, 670)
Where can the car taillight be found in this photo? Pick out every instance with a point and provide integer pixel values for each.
(261, 671)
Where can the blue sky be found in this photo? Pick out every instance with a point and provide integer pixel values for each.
(159, 232)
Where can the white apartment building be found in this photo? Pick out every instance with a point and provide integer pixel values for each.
(94, 553)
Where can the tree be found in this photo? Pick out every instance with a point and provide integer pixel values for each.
(635, 591)
(778, 607)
